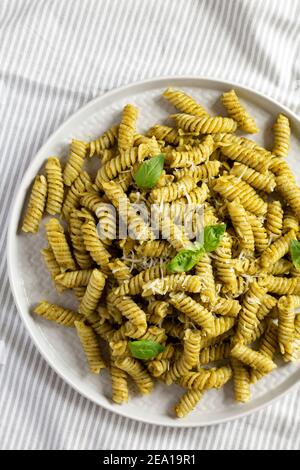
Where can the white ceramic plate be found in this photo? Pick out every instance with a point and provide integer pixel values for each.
(30, 280)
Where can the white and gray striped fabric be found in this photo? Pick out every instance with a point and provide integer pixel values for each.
(56, 55)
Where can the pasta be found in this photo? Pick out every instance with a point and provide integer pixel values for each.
(55, 186)
(252, 358)
(90, 346)
(194, 156)
(290, 192)
(160, 294)
(204, 271)
(127, 127)
(248, 319)
(59, 245)
(241, 225)
(267, 347)
(277, 250)
(248, 155)
(93, 243)
(36, 205)
(140, 376)
(77, 154)
(52, 265)
(241, 381)
(184, 102)
(237, 112)
(188, 359)
(198, 314)
(73, 279)
(286, 327)
(202, 172)
(81, 255)
(232, 188)
(261, 181)
(135, 316)
(106, 141)
(204, 124)
(62, 316)
(79, 186)
(282, 135)
(92, 294)
(187, 402)
(164, 133)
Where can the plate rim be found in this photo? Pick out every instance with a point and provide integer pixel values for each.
(15, 210)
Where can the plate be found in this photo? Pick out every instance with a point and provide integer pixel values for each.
(30, 281)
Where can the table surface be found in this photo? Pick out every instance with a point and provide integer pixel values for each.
(54, 57)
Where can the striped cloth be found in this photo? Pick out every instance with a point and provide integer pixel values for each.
(54, 57)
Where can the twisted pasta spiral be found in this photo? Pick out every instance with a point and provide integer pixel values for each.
(215, 353)
(248, 316)
(156, 249)
(134, 314)
(140, 376)
(241, 381)
(230, 307)
(290, 221)
(127, 127)
(94, 245)
(165, 133)
(91, 347)
(261, 240)
(92, 294)
(268, 346)
(204, 124)
(52, 266)
(204, 271)
(201, 172)
(274, 220)
(241, 225)
(282, 136)
(290, 192)
(72, 279)
(286, 327)
(194, 156)
(277, 250)
(80, 252)
(224, 264)
(105, 141)
(253, 358)
(173, 191)
(188, 359)
(237, 112)
(36, 205)
(62, 316)
(195, 311)
(119, 384)
(77, 154)
(80, 185)
(59, 245)
(187, 402)
(55, 186)
(283, 285)
(261, 181)
(247, 155)
(232, 188)
(184, 102)
(172, 282)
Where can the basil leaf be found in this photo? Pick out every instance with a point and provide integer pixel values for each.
(295, 253)
(213, 235)
(185, 260)
(149, 172)
(145, 349)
